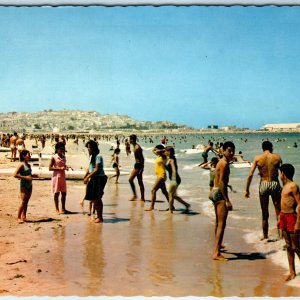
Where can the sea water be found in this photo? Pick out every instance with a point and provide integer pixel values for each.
(246, 215)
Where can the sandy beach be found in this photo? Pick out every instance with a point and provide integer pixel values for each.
(133, 253)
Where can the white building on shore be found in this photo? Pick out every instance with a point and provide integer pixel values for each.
(282, 127)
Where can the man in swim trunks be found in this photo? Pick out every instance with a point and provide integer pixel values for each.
(289, 219)
(138, 168)
(20, 144)
(219, 196)
(268, 164)
(13, 147)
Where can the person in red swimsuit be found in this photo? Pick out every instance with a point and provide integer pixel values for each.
(289, 217)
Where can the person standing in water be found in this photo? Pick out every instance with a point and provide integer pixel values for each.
(268, 165)
(138, 168)
(289, 218)
(219, 197)
(161, 176)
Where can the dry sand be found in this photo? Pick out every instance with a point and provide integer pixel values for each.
(133, 253)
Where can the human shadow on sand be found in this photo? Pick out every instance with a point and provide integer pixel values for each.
(41, 220)
(187, 212)
(114, 220)
(245, 255)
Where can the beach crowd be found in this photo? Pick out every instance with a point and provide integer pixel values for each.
(285, 195)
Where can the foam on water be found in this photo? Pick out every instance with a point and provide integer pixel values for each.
(190, 166)
(208, 208)
(273, 249)
(150, 160)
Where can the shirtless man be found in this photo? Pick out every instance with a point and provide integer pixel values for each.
(268, 164)
(13, 147)
(208, 148)
(20, 144)
(219, 197)
(138, 168)
(289, 220)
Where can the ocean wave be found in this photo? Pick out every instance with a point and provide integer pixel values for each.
(208, 208)
(273, 248)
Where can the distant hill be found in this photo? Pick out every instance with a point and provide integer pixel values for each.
(77, 121)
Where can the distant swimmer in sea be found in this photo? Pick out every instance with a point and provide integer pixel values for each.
(138, 168)
(220, 199)
(268, 165)
(289, 219)
(208, 148)
(240, 158)
(295, 145)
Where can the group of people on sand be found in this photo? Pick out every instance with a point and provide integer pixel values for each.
(16, 144)
(95, 180)
(286, 199)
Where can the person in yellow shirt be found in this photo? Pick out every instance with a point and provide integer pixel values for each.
(161, 175)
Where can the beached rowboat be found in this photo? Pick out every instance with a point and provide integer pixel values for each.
(241, 164)
(44, 173)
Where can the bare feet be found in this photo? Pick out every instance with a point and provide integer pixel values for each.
(134, 198)
(187, 207)
(65, 212)
(98, 220)
(142, 199)
(20, 221)
(219, 257)
(289, 277)
(149, 209)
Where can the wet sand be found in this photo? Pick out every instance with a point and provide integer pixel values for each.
(133, 253)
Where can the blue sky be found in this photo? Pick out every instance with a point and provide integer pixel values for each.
(190, 65)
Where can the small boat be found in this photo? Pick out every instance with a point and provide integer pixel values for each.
(44, 173)
(34, 156)
(4, 149)
(241, 164)
(198, 149)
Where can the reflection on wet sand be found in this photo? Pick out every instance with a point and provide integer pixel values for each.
(161, 257)
(93, 258)
(217, 280)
